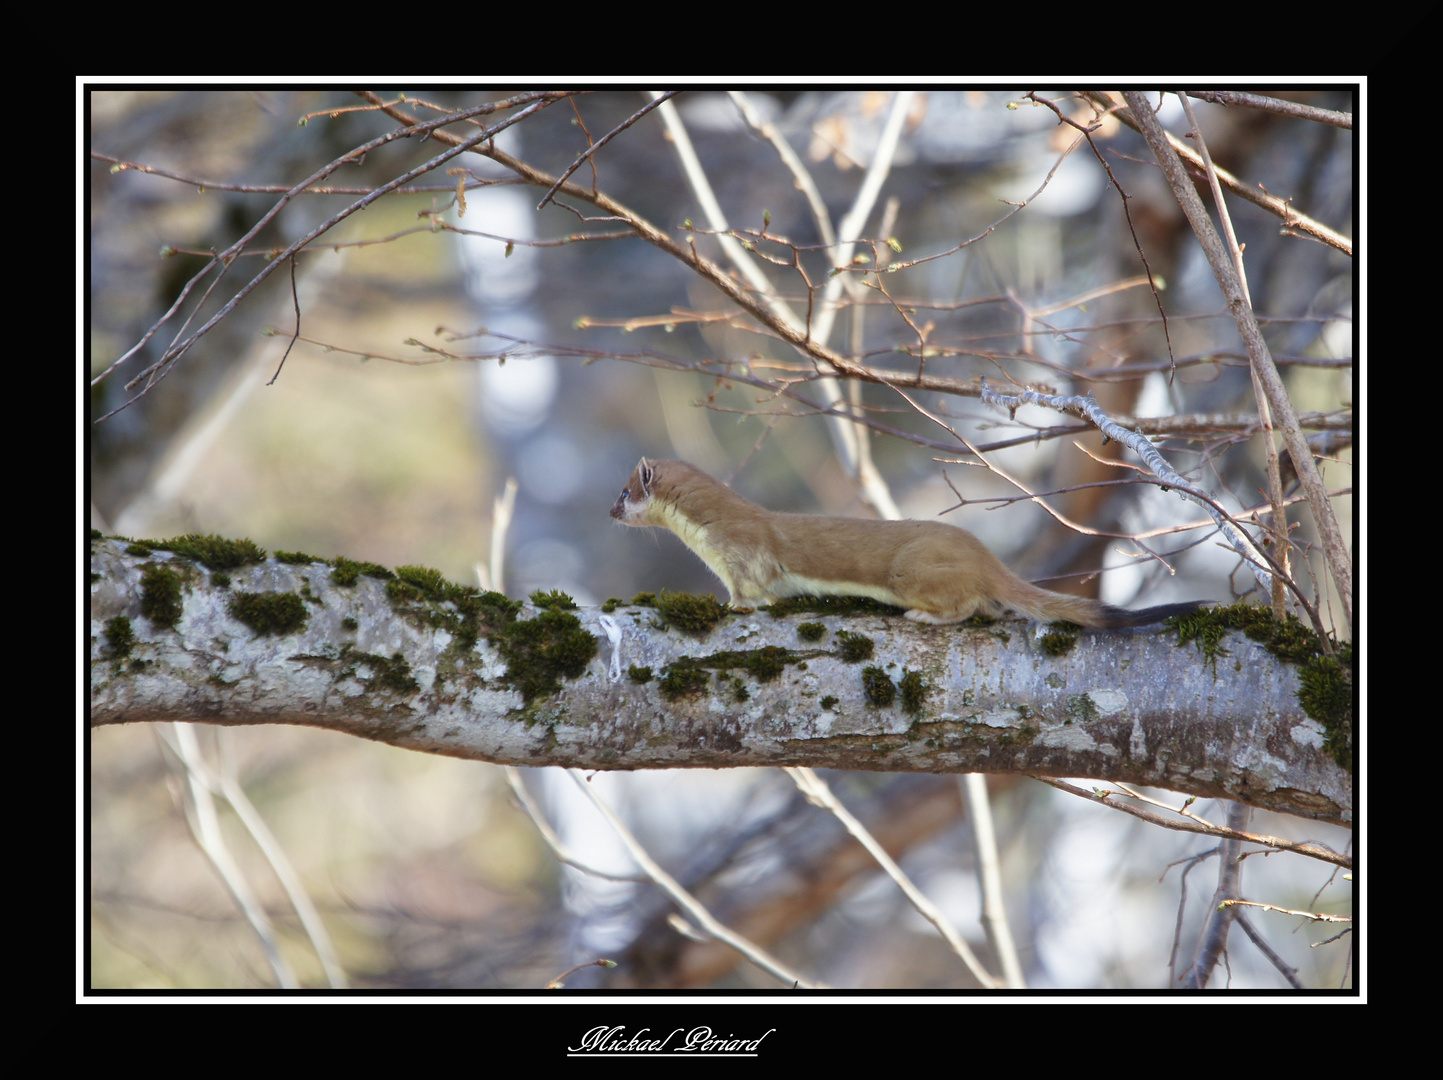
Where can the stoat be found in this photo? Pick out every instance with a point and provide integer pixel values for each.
(939, 573)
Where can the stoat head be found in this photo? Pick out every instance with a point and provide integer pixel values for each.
(635, 499)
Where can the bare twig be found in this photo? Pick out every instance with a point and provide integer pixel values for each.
(1286, 970)
(1276, 105)
(688, 903)
(1087, 407)
(1316, 916)
(1214, 937)
(1126, 211)
(1294, 220)
(552, 840)
(205, 826)
(224, 259)
(1278, 520)
(594, 147)
(989, 875)
(1340, 563)
(819, 794)
(1196, 824)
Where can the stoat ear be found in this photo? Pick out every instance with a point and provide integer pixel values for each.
(646, 472)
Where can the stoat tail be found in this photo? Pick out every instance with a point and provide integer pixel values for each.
(1027, 599)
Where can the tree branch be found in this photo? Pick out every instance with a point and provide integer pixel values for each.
(368, 660)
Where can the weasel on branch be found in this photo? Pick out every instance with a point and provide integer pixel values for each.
(939, 573)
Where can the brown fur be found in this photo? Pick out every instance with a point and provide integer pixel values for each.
(939, 573)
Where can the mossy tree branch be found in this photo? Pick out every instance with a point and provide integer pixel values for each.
(418, 663)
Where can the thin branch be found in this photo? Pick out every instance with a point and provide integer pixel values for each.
(688, 903)
(1278, 520)
(205, 826)
(177, 350)
(1315, 916)
(285, 871)
(1281, 208)
(1126, 212)
(120, 165)
(819, 794)
(1087, 408)
(1340, 563)
(1286, 970)
(594, 147)
(989, 875)
(1213, 939)
(1275, 105)
(1197, 825)
(552, 840)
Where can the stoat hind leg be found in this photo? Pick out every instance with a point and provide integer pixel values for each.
(965, 610)
(932, 617)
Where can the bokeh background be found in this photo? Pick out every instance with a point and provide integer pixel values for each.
(370, 444)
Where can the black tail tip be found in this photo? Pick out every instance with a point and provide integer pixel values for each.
(1121, 617)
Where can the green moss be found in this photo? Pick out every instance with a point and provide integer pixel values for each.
(855, 647)
(119, 637)
(350, 623)
(878, 687)
(1326, 694)
(346, 571)
(299, 558)
(394, 674)
(644, 599)
(220, 579)
(740, 693)
(828, 702)
(684, 677)
(141, 550)
(160, 595)
(419, 581)
(914, 691)
(214, 552)
(555, 599)
(497, 607)
(689, 613)
(611, 604)
(1057, 642)
(639, 674)
(1207, 631)
(426, 597)
(1325, 682)
(540, 652)
(386, 672)
(811, 631)
(831, 605)
(269, 613)
(1290, 639)
(766, 663)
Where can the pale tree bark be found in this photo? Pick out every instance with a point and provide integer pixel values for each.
(1128, 706)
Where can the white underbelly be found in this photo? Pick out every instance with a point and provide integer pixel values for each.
(789, 584)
